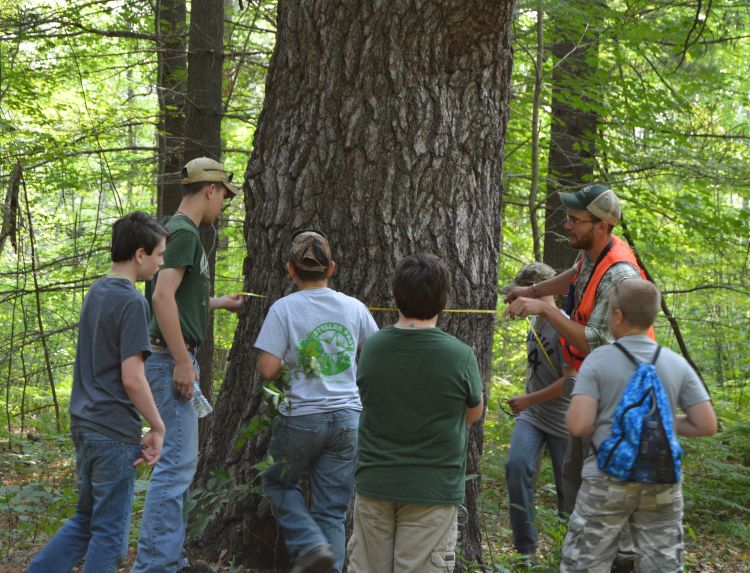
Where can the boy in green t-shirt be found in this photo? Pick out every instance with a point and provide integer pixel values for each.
(420, 388)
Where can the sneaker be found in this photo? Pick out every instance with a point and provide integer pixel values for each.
(318, 560)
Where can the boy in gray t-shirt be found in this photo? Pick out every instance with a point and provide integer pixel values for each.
(315, 332)
(541, 418)
(605, 504)
(110, 393)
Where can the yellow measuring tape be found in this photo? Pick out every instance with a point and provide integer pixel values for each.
(474, 310)
(253, 294)
(388, 308)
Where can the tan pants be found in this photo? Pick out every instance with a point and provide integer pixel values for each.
(391, 537)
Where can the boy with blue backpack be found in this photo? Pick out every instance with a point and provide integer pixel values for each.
(625, 397)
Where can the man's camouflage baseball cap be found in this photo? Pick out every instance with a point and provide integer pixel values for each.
(310, 250)
(597, 199)
(529, 275)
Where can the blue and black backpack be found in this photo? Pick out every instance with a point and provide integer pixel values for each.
(643, 446)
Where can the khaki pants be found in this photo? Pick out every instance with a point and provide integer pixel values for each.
(391, 537)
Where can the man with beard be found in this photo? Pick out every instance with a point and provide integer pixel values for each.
(603, 261)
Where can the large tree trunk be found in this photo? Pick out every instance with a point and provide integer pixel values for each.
(573, 129)
(203, 128)
(383, 124)
(169, 20)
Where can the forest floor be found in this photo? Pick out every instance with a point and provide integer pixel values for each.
(38, 492)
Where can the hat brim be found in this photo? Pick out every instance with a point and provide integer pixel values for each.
(506, 289)
(233, 190)
(571, 201)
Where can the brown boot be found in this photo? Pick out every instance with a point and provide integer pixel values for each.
(317, 560)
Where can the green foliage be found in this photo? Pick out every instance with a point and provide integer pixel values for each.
(38, 490)
(207, 502)
(674, 111)
(78, 111)
(310, 352)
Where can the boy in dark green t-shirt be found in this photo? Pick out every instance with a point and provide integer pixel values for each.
(180, 303)
(420, 388)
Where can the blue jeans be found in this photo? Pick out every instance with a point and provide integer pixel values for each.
(520, 472)
(99, 529)
(160, 547)
(325, 445)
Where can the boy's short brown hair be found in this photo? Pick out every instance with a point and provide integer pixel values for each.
(421, 285)
(638, 300)
(135, 231)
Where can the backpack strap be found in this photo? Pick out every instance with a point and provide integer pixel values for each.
(627, 354)
(632, 358)
(656, 354)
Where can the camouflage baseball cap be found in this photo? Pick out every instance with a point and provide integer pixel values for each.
(206, 170)
(529, 275)
(310, 250)
(597, 199)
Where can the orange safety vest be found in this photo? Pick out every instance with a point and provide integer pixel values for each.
(616, 252)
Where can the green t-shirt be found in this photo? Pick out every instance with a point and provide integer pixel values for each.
(415, 386)
(184, 249)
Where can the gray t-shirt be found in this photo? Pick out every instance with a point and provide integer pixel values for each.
(335, 324)
(606, 372)
(113, 327)
(548, 416)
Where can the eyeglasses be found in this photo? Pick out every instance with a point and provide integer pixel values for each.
(576, 220)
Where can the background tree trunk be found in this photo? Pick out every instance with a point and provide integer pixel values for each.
(171, 72)
(203, 129)
(383, 124)
(573, 127)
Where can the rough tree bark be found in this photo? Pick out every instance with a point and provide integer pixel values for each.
(384, 125)
(171, 71)
(203, 128)
(573, 128)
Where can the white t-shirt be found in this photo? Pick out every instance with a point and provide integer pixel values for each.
(335, 325)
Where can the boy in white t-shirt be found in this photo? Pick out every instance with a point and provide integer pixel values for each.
(316, 332)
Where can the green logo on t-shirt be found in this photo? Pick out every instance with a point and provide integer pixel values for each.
(334, 345)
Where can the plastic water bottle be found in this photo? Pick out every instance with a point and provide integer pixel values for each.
(200, 403)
